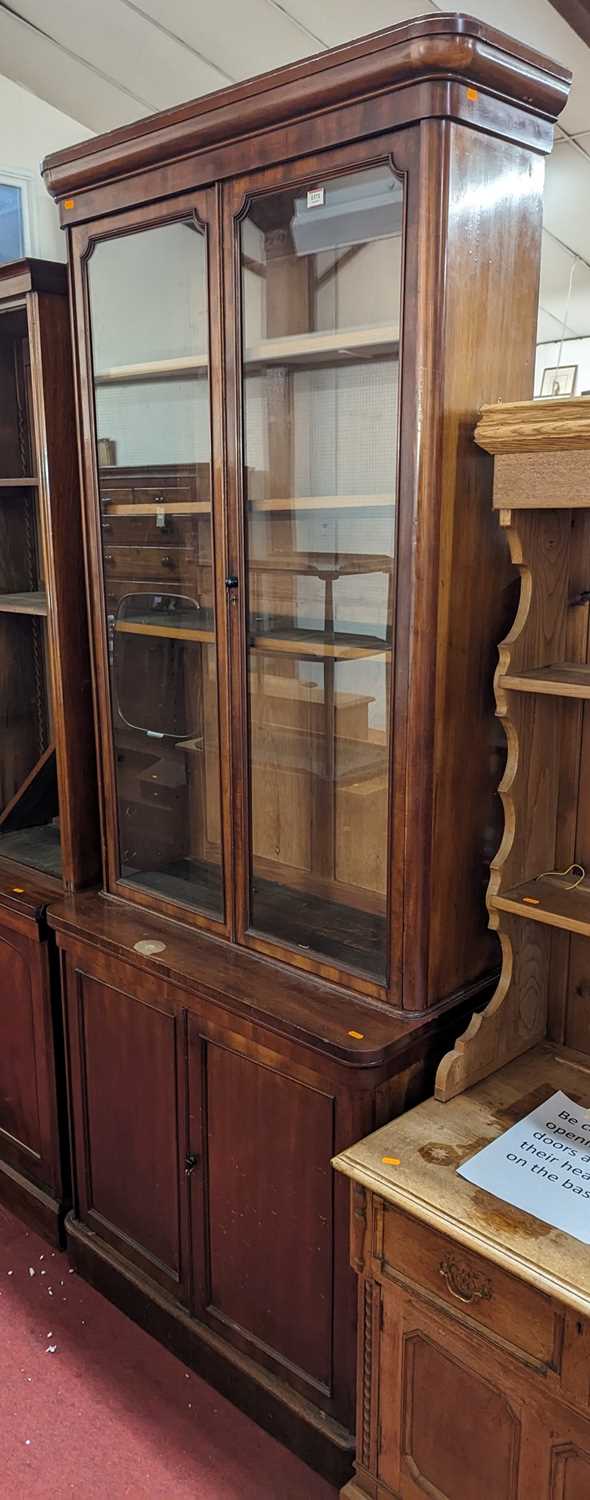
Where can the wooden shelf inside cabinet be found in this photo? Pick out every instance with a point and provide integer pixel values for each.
(165, 632)
(18, 484)
(550, 900)
(318, 644)
(23, 604)
(568, 680)
(343, 345)
(324, 502)
(320, 564)
(184, 367)
(152, 508)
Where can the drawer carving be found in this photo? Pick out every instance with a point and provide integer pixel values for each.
(463, 1282)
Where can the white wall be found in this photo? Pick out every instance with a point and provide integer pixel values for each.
(29, 130)
(573, 352)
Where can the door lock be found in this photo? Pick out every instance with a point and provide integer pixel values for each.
(191, 1160)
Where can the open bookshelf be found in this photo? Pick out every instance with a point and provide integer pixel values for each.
(542, 684)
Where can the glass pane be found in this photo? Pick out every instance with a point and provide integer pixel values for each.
(321, 293)
(148, 297)
(29, 812)
(11, 222)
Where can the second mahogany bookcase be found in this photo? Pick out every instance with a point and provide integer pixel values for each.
(49, 835)
(291, 297)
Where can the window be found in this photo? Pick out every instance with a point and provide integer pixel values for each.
(12, 229)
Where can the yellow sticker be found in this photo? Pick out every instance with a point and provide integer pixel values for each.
(68, 202)
(358, 1035)
(18, 890)
(472, 94)
(391, 1161)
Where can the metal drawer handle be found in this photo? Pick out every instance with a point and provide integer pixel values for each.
(463, 1283)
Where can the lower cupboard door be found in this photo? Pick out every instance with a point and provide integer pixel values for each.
(28, 1115)
(459, 1420)
(262, 1210)
(129, 1112)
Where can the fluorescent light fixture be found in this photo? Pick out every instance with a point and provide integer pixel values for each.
(365, 206)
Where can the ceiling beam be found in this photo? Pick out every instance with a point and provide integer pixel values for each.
(577, 15)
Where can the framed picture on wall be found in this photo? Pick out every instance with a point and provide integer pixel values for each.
(559, 381)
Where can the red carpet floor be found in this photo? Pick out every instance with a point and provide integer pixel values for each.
(93, 1407)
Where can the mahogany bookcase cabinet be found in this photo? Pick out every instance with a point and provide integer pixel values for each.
(49, 837)
(290, 299)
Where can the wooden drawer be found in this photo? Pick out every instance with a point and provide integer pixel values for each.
(151, 564)
(472, 1286)
(144, 531)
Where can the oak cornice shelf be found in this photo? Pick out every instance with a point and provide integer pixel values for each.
(567, 680)
(23, 604)
(548, 900)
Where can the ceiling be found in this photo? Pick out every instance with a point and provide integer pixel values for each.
(106, 64)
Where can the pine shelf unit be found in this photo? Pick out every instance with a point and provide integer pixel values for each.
(567, 680)
(542, 457)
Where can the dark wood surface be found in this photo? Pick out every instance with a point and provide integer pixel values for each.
(33, 1179)
(343, 1025)
(225, 1182)
(17, 277)
(34, 1176)
(439, 46)
(251, 1057)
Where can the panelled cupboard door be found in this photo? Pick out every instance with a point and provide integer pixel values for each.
(153, 360)
(314, 262)
(130, 1135)
(459, 1420)
(28, 1126)
(262, 1206)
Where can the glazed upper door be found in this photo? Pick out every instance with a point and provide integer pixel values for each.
(152, 345)
(320, 292)
(29, 809)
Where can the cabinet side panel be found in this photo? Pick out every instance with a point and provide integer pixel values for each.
(270, 1206)
(491, 287)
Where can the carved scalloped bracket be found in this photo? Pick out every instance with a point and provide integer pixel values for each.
(516, 1016)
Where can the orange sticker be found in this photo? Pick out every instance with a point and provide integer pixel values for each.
(68, 202)
(531, 900)
(472, 94)
(391, 1161)
(358, 1035)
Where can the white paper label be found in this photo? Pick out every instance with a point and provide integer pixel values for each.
(542, 1165)
(316, 197)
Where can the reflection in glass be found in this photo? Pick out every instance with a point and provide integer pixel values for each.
(29, 812)
(321, 296)
(148, 296)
